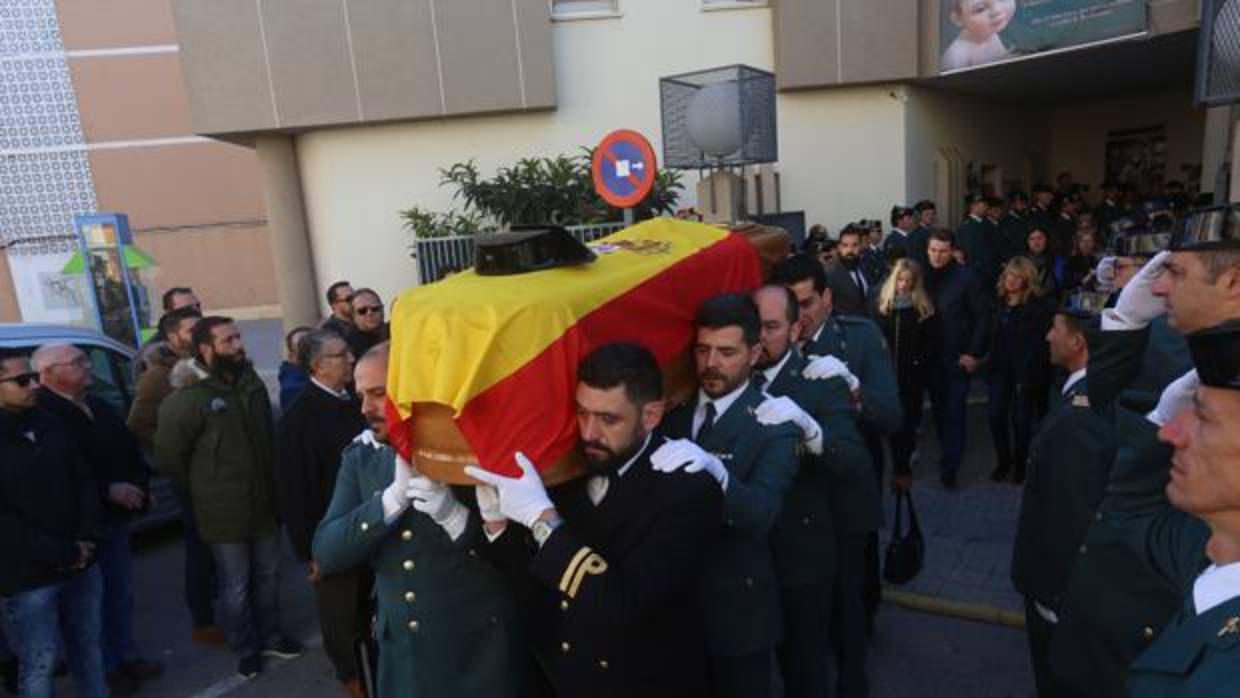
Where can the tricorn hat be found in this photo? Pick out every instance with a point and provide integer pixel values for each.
(529, 248)
(1216, 354)
(1211, 228)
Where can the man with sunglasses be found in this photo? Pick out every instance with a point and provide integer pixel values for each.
(369, 326)
(50, 587)
(340, 302)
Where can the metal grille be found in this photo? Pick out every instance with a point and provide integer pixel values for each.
(755, 91)
(44, 172)
(439, 256)
(1218, 53)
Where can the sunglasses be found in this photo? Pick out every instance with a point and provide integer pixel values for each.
(23, 380)
(368, 309)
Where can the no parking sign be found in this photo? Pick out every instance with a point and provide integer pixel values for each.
(624, 168)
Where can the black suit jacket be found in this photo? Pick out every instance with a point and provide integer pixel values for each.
(310, 438)
(847, 297)
(615, 609)
(963, 310)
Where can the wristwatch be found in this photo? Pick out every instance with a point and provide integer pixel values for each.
(542, 529)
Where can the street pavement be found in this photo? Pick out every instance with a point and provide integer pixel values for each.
(969, 533)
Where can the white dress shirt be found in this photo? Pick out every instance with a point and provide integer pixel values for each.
(1216, 586)
(721, 406)
(1072, 380)
(596, 487)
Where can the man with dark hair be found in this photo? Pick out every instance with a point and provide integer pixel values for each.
(1062, 228)
(292, 376)
(180, 297)
(340, 302)
(1014, 228)
(1041, 213)
(851, 287)
(369, 327)
(310, 437)
(976, 236)
(1111, 208)
(899, 243)
(754, 465)
(619, 553)
(175, 298)
(446, 624)
(1068, 464)
(927, 217)
(50, 588)
(961, 305)
(119, 470)
(832, 506)
(214, 440)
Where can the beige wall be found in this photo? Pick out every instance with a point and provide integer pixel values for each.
(9, 310)
(111, 106)
(842, 42)
(91, 24)
(975, 130)
(1078, 134)
(228, 267)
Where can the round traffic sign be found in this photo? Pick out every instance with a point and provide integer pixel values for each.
(624, 168)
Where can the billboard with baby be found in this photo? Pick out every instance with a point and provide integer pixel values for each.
(981, 32)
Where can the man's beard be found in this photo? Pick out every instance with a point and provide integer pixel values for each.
(850, 261)
(613, 461)
(712, 374)
(232, 365)
(768, 361)
(378, 425)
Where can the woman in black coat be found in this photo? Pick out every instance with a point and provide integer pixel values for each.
(906, 315)
(1019, 364)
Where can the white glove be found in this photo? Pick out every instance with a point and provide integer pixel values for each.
(824, 367)
(436, 500)
(396, 496)
(1104, 275)
(1137, 304)
(777, 410)
(367, 438)
(488, 504)
(1176, 397)
(522, 499)
(683, 453)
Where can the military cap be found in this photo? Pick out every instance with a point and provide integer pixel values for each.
(529, 248)
(1085, 305)
(1216, 354)
(1211, 228)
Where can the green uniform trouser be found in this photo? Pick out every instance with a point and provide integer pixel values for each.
(345, 610)
(807, 626)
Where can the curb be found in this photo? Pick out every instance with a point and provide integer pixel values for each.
(954, 609)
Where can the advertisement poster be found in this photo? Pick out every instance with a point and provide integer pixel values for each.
(982, 32)
(1137, 157)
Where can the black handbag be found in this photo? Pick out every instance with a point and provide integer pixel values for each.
(906, 552)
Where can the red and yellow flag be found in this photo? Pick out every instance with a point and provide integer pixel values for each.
(502, 351)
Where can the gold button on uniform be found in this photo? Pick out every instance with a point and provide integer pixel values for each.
(409, 597)
(1148, 633)
(406, 535)
(565, 647)
(563, 605)
(408, 565)
(805, 520)
(748, 581)
(602, 664)
(365, 527)
(1083, 549)
(413, 626)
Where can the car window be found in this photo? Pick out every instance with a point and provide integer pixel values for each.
(106, 386)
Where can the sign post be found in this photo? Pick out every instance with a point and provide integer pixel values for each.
(624, 168)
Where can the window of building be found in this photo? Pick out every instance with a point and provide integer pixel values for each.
(732, 4)
(584, 9)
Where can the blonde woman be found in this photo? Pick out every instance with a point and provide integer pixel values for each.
(906, 315)
(1018, 365)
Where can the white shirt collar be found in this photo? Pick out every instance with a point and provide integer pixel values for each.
(976, 218)
(897, 231)
(818, 334)
(722, 404)
(341, 394)
(773, 371)
(1072, 379)
(597, 486)
(1215, 586)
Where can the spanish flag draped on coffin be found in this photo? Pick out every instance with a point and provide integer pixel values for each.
(484, 366)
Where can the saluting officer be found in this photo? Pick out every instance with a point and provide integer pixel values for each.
(834, 477)
(851, 348)
(754, 465)
(619, 552)
(1069, 459)
(446, 622)
(1196, 545)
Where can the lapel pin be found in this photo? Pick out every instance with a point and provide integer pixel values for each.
(1230, 627)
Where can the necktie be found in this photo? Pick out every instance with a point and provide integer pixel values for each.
(860, 279)
(758, 381)
(707, 423)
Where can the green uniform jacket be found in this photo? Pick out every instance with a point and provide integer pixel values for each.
(214, 440)
(446, 623)
(740, 595)
(859, 343)
(978, 238)
(1195, 655)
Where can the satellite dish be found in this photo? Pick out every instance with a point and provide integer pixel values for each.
(713, 119)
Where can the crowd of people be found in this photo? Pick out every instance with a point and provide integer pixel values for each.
(711, 546)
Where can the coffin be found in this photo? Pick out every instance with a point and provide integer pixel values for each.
(482, 367)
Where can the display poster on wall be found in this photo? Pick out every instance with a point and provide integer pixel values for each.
(983, 32)
(1137, 157)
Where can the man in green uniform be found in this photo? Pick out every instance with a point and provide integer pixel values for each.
(833, 495)
(446, 622)
(978, 238)
(1196, 545)
(754, 465)
(1069, 458)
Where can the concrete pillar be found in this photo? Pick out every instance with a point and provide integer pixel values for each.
(290, 236)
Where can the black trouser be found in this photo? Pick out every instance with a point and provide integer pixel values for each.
(1040, 631)
(344, 615)
(1011, 418)
(200, 579)
(873, 571)
(742, 675)
(851, 622)
(803, 653)
(904, 441)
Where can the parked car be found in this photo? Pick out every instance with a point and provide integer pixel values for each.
(112, 365)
